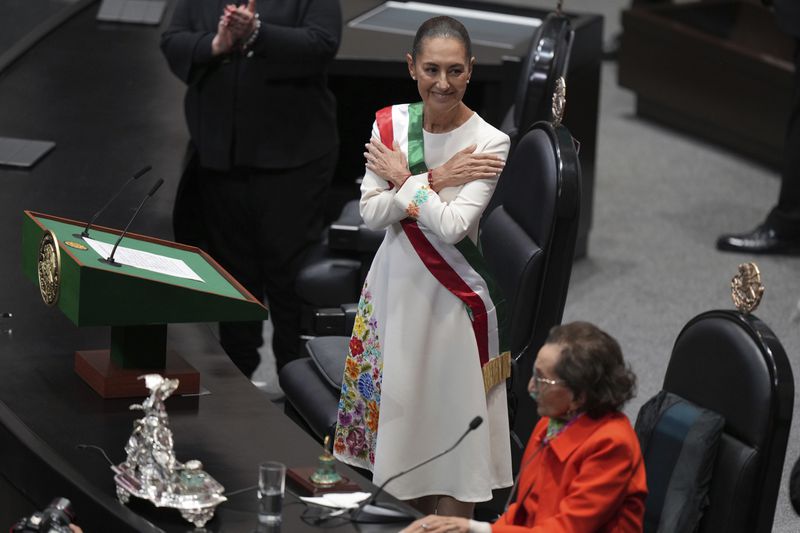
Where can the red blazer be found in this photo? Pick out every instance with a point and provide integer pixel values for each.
(589, 479)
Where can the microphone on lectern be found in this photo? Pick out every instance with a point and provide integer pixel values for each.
(110, 259)
(139, 174)
(367, 512)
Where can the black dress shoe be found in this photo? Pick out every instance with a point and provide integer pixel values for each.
(762, 240)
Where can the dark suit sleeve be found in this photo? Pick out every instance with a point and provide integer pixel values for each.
(304, 50)
(185, 43)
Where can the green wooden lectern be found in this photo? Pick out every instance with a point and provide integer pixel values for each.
(137, 303)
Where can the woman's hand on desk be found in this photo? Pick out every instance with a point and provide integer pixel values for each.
(439, 524)
(386, 163)
(464, 167)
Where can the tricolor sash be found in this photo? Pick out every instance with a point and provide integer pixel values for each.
(460, 268)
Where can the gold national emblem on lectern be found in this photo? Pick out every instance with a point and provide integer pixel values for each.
(746, 288)
(49, 268)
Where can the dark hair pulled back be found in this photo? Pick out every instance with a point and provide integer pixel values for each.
(591, 364)
(444, 27)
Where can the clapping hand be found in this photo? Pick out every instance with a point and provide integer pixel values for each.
(236, 24)
(223, 41)
(240, 20)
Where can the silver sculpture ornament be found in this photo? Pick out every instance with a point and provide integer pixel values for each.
(152, 472)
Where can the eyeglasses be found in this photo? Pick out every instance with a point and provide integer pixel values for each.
(540, 381)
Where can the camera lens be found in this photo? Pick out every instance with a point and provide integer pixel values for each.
(57, 515)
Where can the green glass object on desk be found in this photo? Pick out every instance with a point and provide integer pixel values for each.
(192, 476)
(326, 475)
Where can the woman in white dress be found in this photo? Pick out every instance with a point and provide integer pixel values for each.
(427, 353)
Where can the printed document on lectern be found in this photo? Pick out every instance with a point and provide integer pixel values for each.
(145, 260)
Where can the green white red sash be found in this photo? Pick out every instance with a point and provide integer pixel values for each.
(460, 268)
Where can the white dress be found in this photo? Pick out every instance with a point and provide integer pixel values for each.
(413, 378)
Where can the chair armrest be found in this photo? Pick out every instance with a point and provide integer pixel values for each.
(348, 232)
(326, 321)
(329, 281)
(311, 396)
(329, 355)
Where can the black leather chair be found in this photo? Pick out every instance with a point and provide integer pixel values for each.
(333, 275)
(546, 61)
(734, 365)
(529, 243)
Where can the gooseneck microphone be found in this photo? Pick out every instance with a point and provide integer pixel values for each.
(381, 514)
(139, 174)
(110, 259)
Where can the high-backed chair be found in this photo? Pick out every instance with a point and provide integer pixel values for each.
(332, 278)
(734, 365)
(529, 243)
(547, 60)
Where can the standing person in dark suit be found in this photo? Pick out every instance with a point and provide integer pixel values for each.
(262, 124)
(780, 232)
(794, 487)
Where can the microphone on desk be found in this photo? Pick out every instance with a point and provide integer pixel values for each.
(139, 174)
(110, 259)
(380, 514)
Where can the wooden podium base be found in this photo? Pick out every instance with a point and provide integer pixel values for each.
(97, 369)
(300, 480)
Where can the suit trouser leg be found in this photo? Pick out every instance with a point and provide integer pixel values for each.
(259, 225)
(229, 230)
(293, 224)
(785, 217)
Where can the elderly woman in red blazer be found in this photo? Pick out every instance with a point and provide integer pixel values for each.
(582, 471)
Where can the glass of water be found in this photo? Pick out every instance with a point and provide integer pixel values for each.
(271, 482)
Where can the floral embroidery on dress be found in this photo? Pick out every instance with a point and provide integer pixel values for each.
(420, 197)
(359, 403)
